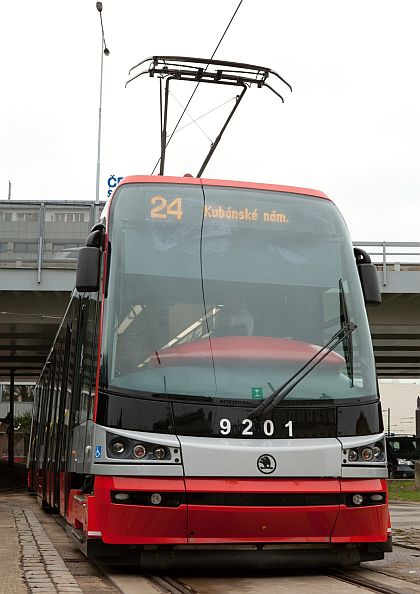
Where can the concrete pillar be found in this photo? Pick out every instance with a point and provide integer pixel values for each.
(418, 417)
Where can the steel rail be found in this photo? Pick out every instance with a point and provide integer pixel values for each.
(367, 583)
(170, 585)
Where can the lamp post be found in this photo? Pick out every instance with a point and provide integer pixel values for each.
(104, 51)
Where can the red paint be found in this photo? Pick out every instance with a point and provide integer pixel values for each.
(240, 348)
(194, 524)
(62, 479)
(153, 179)
(256, 485)
(91, 523)
(136, 524)
(211, 524)
(72, 511)
(208, 524)
(364, 524)
(363, 485)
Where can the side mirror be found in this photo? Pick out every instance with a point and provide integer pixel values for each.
(368, 277)
(89, 261)
(87, 273)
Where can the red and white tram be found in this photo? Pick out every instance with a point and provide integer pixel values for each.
(211, 390)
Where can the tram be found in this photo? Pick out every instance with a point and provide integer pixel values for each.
(211, 391)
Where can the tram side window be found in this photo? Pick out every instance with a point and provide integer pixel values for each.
(82, 360)
(74, 367)
(51, 406)
(33, 453)
(56, 394)
(44, 415)
(67, 385)
(88, 362)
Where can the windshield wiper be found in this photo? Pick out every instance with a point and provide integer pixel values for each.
(281, 392)
(348, 341)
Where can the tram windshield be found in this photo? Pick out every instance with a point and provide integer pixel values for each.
(224, 293)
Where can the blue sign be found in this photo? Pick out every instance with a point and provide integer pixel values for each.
(98, 451)
(113, 183)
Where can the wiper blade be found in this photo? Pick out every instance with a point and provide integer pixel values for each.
(281, 392)
(348, 341)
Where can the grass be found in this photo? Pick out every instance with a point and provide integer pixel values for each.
(403, 490)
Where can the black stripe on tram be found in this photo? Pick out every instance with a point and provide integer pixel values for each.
(175, 499)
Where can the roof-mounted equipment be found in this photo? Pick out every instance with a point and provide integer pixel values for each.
(203, 71)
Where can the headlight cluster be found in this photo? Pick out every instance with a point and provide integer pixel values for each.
(364, 499)
(374, 453)
(131, 449)
(148, 498)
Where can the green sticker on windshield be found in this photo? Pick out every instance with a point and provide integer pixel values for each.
(257, 393)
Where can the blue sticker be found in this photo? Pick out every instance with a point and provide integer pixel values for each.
(98, 451)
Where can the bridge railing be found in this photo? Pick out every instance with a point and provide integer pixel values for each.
(392, 256)
(38, 235)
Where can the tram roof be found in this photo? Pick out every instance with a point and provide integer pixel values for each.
(187, 179)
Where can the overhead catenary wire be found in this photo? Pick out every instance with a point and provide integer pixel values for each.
(196, 86)
(194, 121)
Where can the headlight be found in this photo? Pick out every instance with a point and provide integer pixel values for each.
(118, 448)
(378, 453)
(159, 453)
(357, 499)
(371, 453)
(377, 497)
(139, 451)
(122, 496)
(353, 455)
(124, 448)
(155, 498)
(367, 454)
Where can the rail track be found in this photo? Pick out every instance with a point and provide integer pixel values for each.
(367, 583)
(174, 585)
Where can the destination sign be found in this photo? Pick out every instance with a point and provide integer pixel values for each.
(161, 208)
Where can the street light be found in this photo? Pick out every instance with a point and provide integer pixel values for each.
(104, 51)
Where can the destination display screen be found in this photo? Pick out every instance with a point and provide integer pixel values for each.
(271, 236)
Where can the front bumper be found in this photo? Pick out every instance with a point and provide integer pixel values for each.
(204, 511)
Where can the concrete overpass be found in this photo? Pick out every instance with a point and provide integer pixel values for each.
(39, 242)
(395, 324)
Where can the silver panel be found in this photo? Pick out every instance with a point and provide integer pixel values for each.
(102, 464)
(78, 448)
(359, 441)
(88, 447)
(150, 470)
(364, 473)
(361, 469)
(238, 457)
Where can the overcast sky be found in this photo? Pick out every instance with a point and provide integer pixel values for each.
(350, 128)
